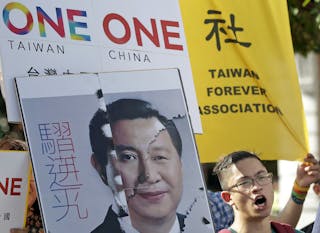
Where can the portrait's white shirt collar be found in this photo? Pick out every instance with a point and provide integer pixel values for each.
(127, 227)
(176, 227)
(125, 222)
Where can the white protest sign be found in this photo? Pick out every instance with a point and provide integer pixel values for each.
(14, 170)
(65, 37)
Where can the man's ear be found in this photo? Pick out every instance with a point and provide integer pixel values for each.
(95, 163)
(226, 196)
(99, 169)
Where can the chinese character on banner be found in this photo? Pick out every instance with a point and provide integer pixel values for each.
(57, 145)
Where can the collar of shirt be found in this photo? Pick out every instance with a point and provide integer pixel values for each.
(176, 227)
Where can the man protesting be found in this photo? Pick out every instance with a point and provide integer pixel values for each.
(247, 187)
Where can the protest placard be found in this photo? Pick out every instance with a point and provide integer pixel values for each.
(89, 168)
(246, 79)
(14, 171)
(65, 37)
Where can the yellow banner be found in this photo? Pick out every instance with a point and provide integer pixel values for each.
(246, 81)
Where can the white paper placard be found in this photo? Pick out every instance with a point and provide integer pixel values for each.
(56, 118)
(66, 37)
(14, 170)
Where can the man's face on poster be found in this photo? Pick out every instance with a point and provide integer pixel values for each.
(150, 167)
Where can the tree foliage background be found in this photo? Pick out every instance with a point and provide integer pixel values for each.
(304, 18)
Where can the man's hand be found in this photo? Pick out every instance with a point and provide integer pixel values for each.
(308, 171)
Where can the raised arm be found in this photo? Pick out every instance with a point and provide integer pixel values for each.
(308, 172)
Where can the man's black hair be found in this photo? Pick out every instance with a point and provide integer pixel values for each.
(227, 161)
(125, 109)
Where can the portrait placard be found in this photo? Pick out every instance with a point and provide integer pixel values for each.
(82, 153)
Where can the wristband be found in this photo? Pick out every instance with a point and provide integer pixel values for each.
(298, 188)
(298, 194)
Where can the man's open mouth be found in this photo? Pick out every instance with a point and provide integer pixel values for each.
(260, 201)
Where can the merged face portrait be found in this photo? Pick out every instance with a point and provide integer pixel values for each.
(150, 167)
(144, 167)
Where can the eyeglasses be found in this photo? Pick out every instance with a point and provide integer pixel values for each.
(247, 184)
